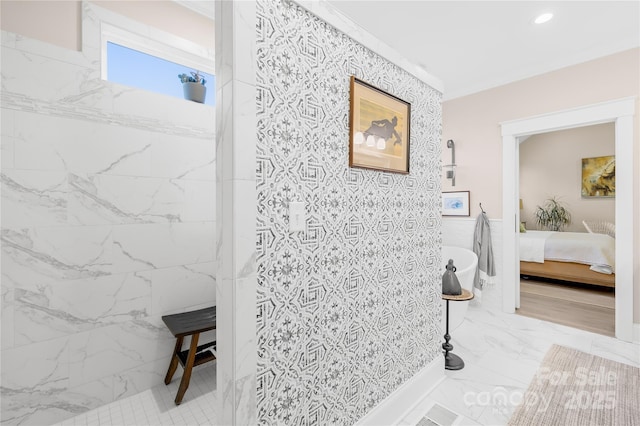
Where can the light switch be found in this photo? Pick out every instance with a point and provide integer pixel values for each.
(297, 217)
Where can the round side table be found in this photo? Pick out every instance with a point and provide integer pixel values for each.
(453, 361)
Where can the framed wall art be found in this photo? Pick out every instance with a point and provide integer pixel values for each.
(456, 203)
(379, 129)
(599, 177)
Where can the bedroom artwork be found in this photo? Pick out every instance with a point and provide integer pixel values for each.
(599, 177)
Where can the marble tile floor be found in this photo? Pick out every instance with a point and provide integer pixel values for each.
(502, 353)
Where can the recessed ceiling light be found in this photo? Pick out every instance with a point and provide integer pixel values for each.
(545, 17)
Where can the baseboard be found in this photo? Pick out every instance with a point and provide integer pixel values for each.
(396, 406)
(636, 333)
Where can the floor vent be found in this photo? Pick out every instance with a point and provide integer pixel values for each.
(438, 416)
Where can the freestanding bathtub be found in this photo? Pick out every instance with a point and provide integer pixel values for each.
(465, 262)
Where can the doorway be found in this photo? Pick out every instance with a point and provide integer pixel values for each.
(550, 168)
(621, 113)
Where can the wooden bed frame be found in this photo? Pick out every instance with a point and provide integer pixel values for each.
(567, 271)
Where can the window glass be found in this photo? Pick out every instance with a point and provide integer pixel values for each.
(137, 69)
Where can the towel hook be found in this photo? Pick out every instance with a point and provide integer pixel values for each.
(481, 208)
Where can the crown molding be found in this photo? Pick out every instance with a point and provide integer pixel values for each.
(203, 7)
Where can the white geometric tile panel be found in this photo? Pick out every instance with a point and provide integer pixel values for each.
(349, 309)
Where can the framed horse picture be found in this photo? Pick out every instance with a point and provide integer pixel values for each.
(379, 125)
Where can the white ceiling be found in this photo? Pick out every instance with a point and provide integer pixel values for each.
(475, 45)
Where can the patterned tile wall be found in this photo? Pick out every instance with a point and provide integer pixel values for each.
(349, 309)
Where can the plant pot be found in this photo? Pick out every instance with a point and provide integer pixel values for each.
(194, 91)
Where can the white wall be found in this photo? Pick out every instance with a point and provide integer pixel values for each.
(58, 21)
(551, 166)
(108, 218)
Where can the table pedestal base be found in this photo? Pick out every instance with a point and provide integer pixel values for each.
(453, 362)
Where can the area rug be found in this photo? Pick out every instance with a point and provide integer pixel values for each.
(572, 388)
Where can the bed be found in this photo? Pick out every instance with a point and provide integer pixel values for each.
(568, 256)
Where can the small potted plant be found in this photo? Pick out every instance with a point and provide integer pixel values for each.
(193, 86)
(553, 215)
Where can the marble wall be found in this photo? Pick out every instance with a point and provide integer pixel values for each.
(236, 211)
(108, 223)
(349, 309)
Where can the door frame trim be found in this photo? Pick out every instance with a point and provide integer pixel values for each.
(619, 111)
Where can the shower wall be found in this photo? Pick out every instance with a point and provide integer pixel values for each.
(108, 218)
(350, 309)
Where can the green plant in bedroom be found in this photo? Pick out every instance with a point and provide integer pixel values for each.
(552, 215)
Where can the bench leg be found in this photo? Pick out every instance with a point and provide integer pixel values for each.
(186, 375)
(174, 361)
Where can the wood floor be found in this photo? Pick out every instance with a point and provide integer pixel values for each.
(586, 307)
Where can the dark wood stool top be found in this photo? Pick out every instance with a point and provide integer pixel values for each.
(187, 323)
(190, 324)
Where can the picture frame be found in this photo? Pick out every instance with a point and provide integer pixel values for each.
(379, 129)
(599, 177)
(456, 203)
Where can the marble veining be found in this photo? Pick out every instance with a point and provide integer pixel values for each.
(121, 158)
(22, 247)
(87, 193)
(108, 223)
(30, 197)
(30, 103)
(65, 307)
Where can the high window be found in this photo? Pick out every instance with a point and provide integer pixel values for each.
(153, 62)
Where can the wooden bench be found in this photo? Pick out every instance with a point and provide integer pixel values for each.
(190, 324)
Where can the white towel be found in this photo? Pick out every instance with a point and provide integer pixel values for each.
(485, 271)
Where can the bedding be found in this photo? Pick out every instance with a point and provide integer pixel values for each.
(595, 250)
